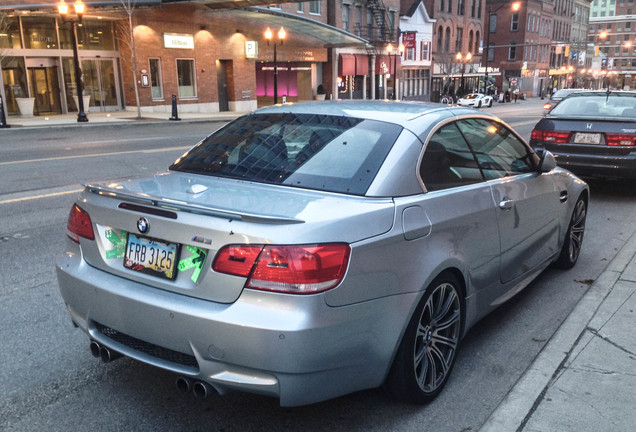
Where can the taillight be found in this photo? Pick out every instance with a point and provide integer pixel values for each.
(550, 136)
(547, 107)
(302, 269)
(79, 224)
(614, 139)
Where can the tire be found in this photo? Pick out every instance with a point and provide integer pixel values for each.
(427, 352)
(479, 104)
(490, 104)
(573, 241)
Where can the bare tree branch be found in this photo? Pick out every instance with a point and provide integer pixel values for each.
(126, 30)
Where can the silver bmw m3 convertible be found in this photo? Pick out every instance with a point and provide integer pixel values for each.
(311, 250)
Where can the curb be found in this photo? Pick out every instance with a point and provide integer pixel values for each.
(518, 406)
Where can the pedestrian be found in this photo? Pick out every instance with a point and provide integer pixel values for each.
(516, 92)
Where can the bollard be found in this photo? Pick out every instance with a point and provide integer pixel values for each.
(175, 115)
(3, 118)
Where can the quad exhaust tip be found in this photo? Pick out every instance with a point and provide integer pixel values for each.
(105, 353)
(200, 389)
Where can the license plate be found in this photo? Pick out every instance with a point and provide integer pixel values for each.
(587, 138)
(151, 256)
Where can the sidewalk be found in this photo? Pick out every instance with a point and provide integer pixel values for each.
(584, 379)
(129, 117)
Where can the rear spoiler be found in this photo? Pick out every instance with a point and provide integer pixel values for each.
(171, 204)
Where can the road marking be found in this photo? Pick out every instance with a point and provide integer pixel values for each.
(49, 195)
(95, 155)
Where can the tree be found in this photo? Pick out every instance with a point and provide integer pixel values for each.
(127, 38)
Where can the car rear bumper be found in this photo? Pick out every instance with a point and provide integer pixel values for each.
(296, 348)
(596, 165)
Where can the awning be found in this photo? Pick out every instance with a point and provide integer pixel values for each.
(346, 64)
(324, 34)
(117, 4)
(384, 63)
(362, 64)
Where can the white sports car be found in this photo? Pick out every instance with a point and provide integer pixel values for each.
(476, 100)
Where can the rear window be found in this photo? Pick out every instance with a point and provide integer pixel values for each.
(330, 153)
(597, 105)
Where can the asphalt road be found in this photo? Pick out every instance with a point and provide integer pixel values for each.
(50, 381)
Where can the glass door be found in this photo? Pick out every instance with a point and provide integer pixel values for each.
(45, 89)
(100, 83)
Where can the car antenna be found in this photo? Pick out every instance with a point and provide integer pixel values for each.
(607, 93)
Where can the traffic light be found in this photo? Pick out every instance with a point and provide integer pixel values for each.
(596, 50)
(567, 51)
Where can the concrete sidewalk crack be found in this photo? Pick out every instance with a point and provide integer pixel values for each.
(608, 340)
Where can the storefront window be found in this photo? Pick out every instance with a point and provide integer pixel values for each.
(186, 76)
(155, 78)
(91, 35)
(15, 82)
(39, 32)
(10, 34)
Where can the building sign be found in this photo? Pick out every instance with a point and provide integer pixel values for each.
(408, 39)
(173, 40)
(251, 49)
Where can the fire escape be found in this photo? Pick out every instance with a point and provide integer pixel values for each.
(379, 33)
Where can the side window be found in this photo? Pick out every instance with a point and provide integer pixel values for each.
(499, 152)
(448, 161)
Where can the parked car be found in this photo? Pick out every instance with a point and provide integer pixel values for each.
(475, 100)
(557, 97)
(310, 250)
(592, 133)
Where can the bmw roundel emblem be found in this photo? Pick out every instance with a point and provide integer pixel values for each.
(143, 225)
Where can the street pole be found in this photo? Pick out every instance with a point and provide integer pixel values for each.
(81, 115)
(275, 77)
(487, 50)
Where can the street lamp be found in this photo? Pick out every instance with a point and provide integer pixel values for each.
(463, 60)
(80, 8)
(281, 39)
(389, 49)
(515, 7)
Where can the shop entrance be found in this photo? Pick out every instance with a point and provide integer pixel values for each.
(100, 83)
(45, 89)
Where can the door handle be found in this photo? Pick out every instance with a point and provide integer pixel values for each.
(506, 204)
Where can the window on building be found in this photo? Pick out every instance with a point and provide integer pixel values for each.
(514, 22)
(460, 7)
(447, 39)
(392, 23)
(441, 5)
(274, 6)
(512, 51)
(425, 50)
(10, 37)
(187, 78)
(449, 4)
(440, 34)
(345, 16)
(93, 35)
(492, 27)
(470, 42)
(472, 8)
(459, 40)
(410, 54)
(300, 7)
(491, 52)
(477, 39)
(479, 10)
(39, 32)
(314, 7)
(358, 21)
(369, 24)
(156, 85)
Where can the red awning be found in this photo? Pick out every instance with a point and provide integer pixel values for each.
(384, 63)
(362, 64)
(346, 64)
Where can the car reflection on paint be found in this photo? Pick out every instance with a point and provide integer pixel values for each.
(310, 250)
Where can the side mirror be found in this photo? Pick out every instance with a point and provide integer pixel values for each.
(548, 162)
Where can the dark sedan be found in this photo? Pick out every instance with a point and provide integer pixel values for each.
(592, 133)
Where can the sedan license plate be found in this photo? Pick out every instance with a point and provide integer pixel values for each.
(587, 138)
(150, 256)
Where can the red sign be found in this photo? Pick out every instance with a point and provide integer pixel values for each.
(408, 39)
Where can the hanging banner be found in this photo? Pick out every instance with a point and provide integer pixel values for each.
(408, 39)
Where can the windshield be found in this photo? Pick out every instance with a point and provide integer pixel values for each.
(598, 105)
(332, 153)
